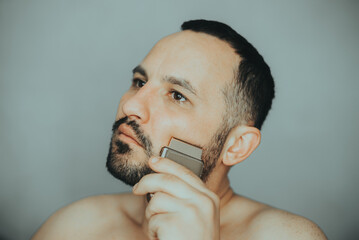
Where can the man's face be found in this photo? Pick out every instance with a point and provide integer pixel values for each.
(177, 91)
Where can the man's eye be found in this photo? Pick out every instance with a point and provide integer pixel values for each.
(178, 96)
(138, 83)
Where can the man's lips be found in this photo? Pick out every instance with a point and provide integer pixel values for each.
(128, 135)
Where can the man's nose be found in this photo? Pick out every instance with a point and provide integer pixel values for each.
(137, 106)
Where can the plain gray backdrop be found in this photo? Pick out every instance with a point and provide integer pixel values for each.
(64, 66)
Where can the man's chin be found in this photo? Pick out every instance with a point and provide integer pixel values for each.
(128, 175)
(121, 167)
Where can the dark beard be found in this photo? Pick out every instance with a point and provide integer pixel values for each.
(212, 151)
(120, 153)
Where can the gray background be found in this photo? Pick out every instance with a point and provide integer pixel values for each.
(65, 64)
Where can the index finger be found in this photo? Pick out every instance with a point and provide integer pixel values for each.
(165, 165)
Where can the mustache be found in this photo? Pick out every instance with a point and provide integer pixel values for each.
(140, 135)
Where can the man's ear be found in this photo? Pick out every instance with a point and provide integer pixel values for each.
(241, 142)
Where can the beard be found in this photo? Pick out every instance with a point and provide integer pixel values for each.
(120, 156)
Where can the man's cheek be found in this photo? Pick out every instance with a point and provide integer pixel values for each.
(165, 127)
(162, 129)
(185, 130)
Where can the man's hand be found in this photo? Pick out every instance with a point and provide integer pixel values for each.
(182, 207)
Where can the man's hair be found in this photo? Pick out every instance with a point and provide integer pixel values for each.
(249, 95)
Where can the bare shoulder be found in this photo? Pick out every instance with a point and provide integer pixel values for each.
(271, 223)
(88, 216)
(249, 219)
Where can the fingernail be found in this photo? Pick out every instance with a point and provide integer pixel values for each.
(154, 160)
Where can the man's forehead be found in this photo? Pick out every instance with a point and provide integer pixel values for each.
(196, 57)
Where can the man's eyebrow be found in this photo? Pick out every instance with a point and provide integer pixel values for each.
(182, 83)
(139, 69)
(170, 79)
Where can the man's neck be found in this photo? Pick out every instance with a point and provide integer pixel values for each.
(225, 193)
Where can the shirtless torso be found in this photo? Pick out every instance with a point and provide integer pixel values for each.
(121, 217)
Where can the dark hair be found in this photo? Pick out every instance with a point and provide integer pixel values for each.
(249, 96)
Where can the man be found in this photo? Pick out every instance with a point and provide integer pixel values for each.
(207, 86)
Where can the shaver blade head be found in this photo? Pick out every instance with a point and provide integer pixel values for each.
(187, 148)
